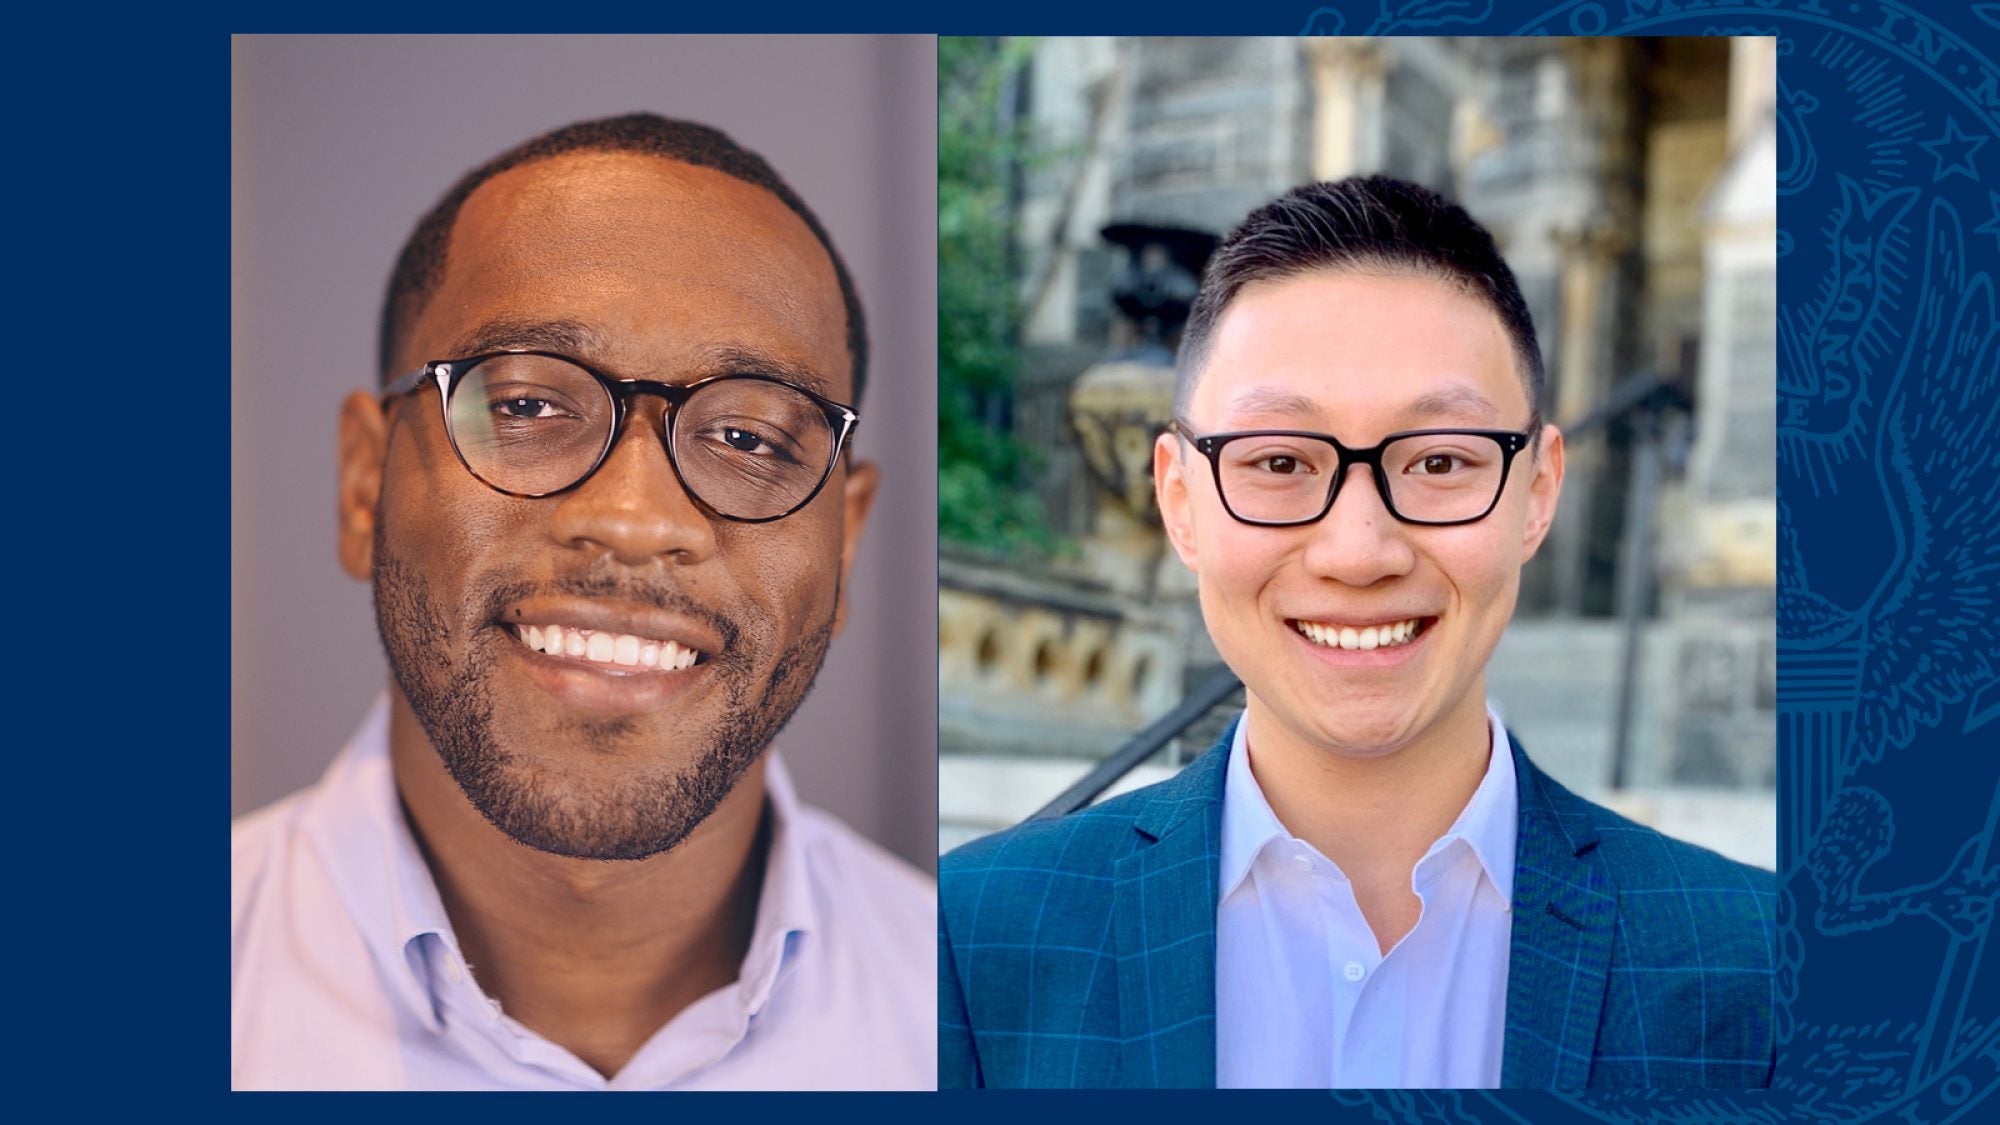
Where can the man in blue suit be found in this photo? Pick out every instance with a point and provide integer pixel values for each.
(1366, 882)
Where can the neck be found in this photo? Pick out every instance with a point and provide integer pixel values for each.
(1374, 814)
(594, 955)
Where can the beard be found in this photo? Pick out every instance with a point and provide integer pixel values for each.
(445, 673)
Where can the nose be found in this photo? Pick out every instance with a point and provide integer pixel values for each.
(634, 507)
(1359, 543)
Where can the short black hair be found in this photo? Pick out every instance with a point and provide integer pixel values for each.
(1363, 224)
(420, 266)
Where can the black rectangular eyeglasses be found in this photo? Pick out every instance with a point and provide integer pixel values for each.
(750, 448)
(1434, 478)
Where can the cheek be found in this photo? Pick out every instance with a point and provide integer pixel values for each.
(435, 517)
(789, 570)
(1235, 570)
(1486, 573)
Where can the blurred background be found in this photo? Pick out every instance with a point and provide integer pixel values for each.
(1631, 184)
(340, 144)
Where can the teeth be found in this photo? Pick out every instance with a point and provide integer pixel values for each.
(1364, 639)
(607, 648)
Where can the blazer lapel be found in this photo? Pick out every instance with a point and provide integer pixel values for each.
(1565, 914)
(1163, 923)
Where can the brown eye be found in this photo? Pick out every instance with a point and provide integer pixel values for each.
(1438, 464)
(526, 408)
(1281, 464)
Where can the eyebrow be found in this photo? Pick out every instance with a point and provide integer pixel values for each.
(738, 359)
(570, 337)
(1458, 398)
(586, 342)
(1264, 400)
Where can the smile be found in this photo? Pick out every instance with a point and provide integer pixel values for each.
(1364, 638)
(614, 649)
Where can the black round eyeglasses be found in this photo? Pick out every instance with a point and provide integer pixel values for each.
(750, 448)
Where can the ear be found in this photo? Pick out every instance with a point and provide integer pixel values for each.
(1170, 488)
(364, 442)
(857, 499)
(1543, 492)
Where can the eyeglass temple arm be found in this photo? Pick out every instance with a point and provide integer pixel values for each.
(407, 383)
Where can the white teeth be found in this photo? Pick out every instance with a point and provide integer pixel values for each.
(1364, 639)
(607, 648)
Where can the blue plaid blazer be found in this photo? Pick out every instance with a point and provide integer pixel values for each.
(1080, 952)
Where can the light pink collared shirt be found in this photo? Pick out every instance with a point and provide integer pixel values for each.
(345, 972)
(1303, 995)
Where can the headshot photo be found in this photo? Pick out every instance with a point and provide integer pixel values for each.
(1357, 564)
(584, 636)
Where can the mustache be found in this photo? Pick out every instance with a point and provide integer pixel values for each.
(606, 583)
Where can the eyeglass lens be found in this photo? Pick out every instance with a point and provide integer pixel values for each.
(1434, 477)
(534, 425)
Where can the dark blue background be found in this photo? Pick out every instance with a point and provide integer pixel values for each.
(118, 161)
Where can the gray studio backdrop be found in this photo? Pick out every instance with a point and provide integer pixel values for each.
(341, 143)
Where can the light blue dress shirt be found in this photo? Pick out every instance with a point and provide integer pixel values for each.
(1305, 996)
(345, 972)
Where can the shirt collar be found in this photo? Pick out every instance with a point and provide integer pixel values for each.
(1247, 820)
(381, 877)
(1487, 823)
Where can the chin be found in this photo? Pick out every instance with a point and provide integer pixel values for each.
(618, 812)
(1366, 741)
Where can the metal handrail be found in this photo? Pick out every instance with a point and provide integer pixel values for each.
(1218, 686)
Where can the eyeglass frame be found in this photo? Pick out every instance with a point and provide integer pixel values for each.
(1511, 443)
(840, 417)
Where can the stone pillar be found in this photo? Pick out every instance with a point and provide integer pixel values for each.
(1723, 582)
(1347, 84)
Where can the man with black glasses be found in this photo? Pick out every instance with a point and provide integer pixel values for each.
(1366, 883)
(604, 501)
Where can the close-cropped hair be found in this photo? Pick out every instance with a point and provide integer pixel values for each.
(421, 265)
(1362, 224)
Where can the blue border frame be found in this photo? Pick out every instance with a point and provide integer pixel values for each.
(1888, 550)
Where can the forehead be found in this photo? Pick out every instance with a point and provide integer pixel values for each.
(1324, 347)
(664, 261)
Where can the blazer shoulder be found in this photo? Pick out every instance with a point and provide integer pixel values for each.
(1082, 848)
(1674, 893)
(1644, 858)
(1087, 841)
(1638, 856)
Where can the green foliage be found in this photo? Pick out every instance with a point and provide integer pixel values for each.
(985, 497)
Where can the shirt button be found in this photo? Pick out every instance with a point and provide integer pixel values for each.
(1302, 861)
(451, 969)
(1355, 971)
